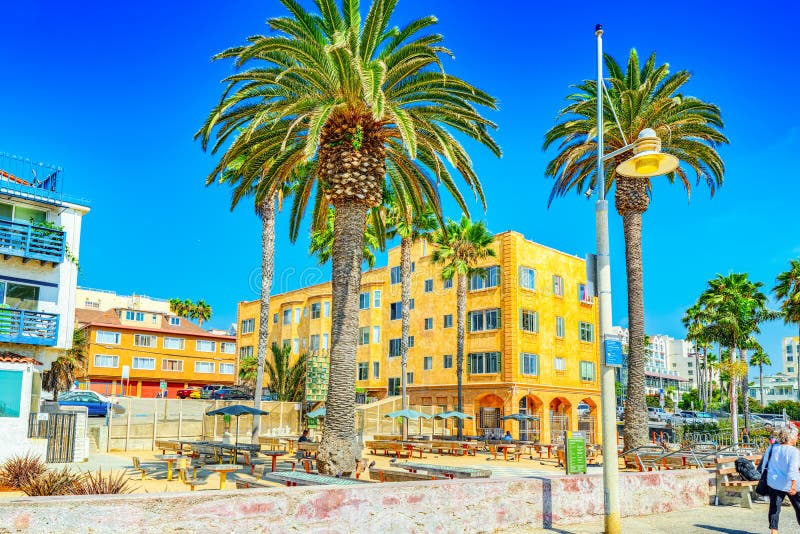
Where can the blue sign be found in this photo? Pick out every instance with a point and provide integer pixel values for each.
(613, 352)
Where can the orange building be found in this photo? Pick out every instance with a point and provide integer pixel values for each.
(153, 347)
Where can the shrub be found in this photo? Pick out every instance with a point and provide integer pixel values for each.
(51, 482)
(100, 484)
(18, 470)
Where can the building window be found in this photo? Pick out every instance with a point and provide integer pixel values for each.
(584, 295)
(316, 310)
(376, 334)
(296, 345)
(587, 371)
(363, 335)
(313, 342)
(174, 343)
(363, 371)
(447, 283)
(429, 323)
(788, 369)
(413, 266)
(305, 311)
(560, 364)
(376, 369)
(529, 321)
(175, 321)
(203, 345)
(410, 341)
(141, 340)
(395, 311)
(394, 347)
(789, 358)
(527, 278)
(447, 361)
(297, 316)
(483, 363)
(363, 301)
(429, 285)
(788, 349)
(204, 367)
(427, 363)
(226, 368)
(448, 321)
(20, 296)
(134, 316)
(395, 275)
(394, 387)
(483, 320)
(104, 360)
(148, 364)
(287, 316)
(227, 347)
(107, 338)
(586, 331)
(325, 338)
(409, 378)
(173, 365)
(326, 309)
(274, 318)
(558, 286)
(529, 364)
(94, 304)
(248, 326)
(376, 298)
(485, 278)
(559, 326)
(246, 352)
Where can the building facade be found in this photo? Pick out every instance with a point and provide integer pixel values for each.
(101, 299)
(777, 387)
(531, 343)
(790, 353)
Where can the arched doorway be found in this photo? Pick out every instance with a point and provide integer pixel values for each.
(559, 419)
(587, 419)
(488, 411)
(530, 430)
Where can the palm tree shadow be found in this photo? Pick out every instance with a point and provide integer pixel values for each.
(714, 528)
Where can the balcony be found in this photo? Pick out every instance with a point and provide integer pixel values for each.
(31, 242)
(28, 327)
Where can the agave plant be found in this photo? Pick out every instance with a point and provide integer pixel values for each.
(51, 482)
(100, 484)
(18, 470)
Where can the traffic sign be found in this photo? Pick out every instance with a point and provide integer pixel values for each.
(613, 351)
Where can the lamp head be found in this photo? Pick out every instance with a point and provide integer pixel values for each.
(648, 160)
(589, 192)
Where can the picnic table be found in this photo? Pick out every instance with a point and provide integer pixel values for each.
(308, 447)
(447, 470)
(274, 455)
(294, 478)
(170, 459)
(223, 470)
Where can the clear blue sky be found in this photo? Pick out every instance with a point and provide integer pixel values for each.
(114, 92)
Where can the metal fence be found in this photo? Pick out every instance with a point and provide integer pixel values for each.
(558, 425)
(59, 429)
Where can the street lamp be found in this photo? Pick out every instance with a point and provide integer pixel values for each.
(647, 161)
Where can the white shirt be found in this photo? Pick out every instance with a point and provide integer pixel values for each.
(783, 466)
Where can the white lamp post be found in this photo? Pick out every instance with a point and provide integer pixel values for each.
(647, 161)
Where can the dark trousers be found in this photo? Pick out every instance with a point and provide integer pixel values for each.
(775, 501)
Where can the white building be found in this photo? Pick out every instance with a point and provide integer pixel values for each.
(778, 387)
(790, 352)
(103, 300)
(40, 232)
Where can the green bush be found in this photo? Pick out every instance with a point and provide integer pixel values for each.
(792, 408)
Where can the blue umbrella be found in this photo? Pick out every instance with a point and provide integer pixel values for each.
(408, 414)
(319, 412)
(457, 415)
(520, 417)
(237, 410)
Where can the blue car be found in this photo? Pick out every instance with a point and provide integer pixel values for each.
(98, 405)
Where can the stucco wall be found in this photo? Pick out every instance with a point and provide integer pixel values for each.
(14, 430)
(446, 506)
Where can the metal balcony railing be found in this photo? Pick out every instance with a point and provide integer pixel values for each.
(28, 327)
(31, 242)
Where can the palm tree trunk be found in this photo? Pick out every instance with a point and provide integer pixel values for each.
(405, 290)
(267, 212)
(635, 404)
(761, 382)
(797, 363)
(338, 451)
(699, 376)
(733, 399)
(745, 393)
(461, 311)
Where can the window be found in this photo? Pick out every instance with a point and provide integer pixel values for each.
(325, 338)
(427, 363)
(559, 326)
(376, 369)
(363, 335)
(376, 334)
(174, 321)
(429, 285)
(141, 340)
(296, 345)
(313, 342)
(134, 316)
(226, 368)
(94, 304)
(144, 363)
(527, 278)
(305, 311)
(395, 311)
(448, 321)
(363, 371)
(409, 378)
(286, 343)
(297, 315)
(155, 318)
(447, 284)
(429, 323)
(363, 301)
(246, 352)
(447, 361)
(376, 298)
(173, 365)
(586, 331)
(587, 371)
(788, 349)
(584, 295)
(394, 275)
(410, 341)
(275, 318)
(107, 338)
(789, 358)
(485, 278)
(558, 286)
(204, 345)
(483, 363)
(287, 316)
(394, 387)
(104, 360)
(482, 320)
(326, 309)
(413, 266)
(203, 367)
(316, 310)
(529, 364)
(394, 347)
(790, 369)
(227, 347)
(560, 364)
(529, 321)
(174, 343)
(248, 326)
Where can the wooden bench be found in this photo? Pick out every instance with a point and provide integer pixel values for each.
(137, 466)
(247, 484)
(393, 475)
(731, 489)
(166, 445)
(514, 452)
(305, 462)
(393, 447)
(387, 437)
(191, 482)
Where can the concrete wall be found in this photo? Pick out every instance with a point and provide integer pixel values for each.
(14, 430)
(510, 504)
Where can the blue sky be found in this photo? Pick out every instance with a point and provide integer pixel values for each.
(113, 93)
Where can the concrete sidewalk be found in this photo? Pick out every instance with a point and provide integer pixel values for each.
(708, 520)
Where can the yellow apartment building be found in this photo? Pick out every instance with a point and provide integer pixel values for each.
(152, 347)
(531, 344)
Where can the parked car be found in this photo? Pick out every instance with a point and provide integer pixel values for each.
(684, 417)
(705, 417)
(208, 389)
(583, 408)
(189, 393)
(97, 404)
(656, 414)
(230, 394)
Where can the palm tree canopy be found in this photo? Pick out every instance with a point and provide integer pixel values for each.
(405, 220)
(787, 290)
(641, 96)
(461, 245)
(759, 357)
(286, 380)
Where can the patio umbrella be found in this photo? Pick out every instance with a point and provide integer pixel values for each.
(237, 410)
(409, 414)
(319, 412)
(520, 417)
(455, 414)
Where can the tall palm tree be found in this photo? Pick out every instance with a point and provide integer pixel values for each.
(177, 307)
(760, 359)
(460, 247)
(69, 366)
(202, 312)
(711, 366)
(787, 290)
(321, 243)
(360, 102)
(643, 96)
(285, 379)
(248, 368)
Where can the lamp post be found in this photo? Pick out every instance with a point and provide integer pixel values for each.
(648, 160)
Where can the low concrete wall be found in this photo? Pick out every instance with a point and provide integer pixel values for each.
(444, 506)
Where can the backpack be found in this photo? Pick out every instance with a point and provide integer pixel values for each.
(746, 469)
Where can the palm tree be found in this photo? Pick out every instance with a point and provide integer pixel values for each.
(460, 247)
(360, 102)
(202, 312)
(287, 381)
(787, 290)
(177, 307)
(321, 244)
(248, 368)
(711, 365)
(645, 96)
(760, 359)
(68, 366)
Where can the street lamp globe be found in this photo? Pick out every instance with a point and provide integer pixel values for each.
(648, 160)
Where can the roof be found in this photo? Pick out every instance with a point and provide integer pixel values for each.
(667, 377)
(110, 318)
(10, 357)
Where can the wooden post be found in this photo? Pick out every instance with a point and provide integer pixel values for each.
(155, 423)
(127, 427)
(180, 417)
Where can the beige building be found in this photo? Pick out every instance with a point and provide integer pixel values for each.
(101, 299)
